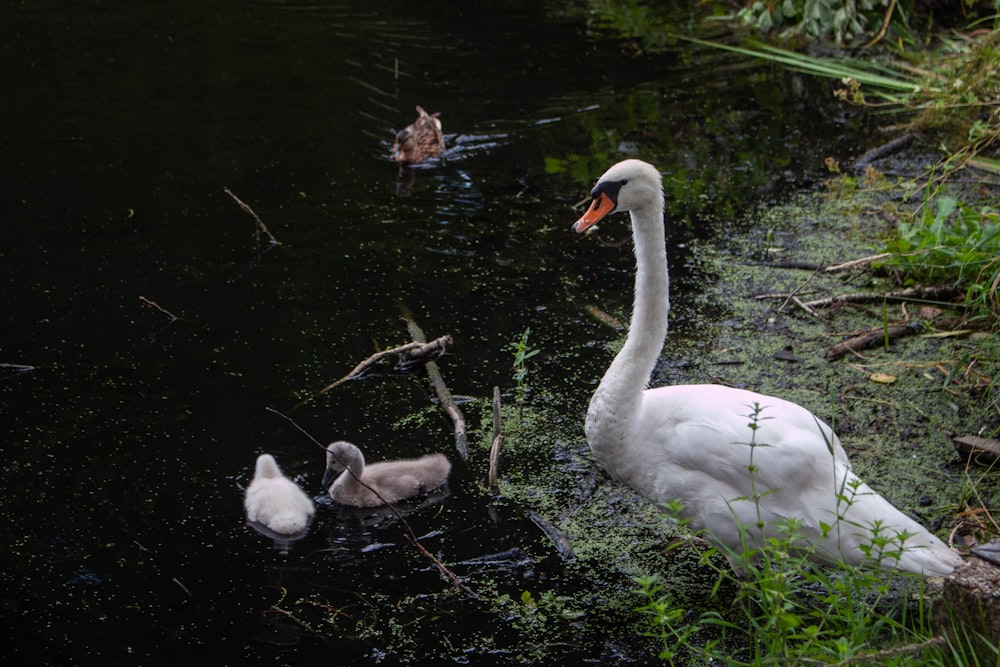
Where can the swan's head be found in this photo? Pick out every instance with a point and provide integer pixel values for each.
(341, 455)
(629, 185)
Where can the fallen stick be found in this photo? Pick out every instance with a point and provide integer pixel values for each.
(447, 402)
(260, 228)
(559, 538)
(873, 338)
(497, 443)
(935, 293)
(156, 306)
(856, 262)
(423, 353)
(932, 293)
(374, 359)
(975, 446)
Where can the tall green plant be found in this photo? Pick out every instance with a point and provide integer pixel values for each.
(948, 242)
(522, 351)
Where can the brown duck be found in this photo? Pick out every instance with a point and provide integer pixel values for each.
(420, 140)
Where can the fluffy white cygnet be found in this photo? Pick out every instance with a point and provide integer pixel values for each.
(275, 502)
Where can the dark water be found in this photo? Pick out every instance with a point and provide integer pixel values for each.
(128, 437)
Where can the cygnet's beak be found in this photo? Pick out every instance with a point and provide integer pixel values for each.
(328, 478)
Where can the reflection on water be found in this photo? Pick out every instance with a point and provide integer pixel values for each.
(127, 434)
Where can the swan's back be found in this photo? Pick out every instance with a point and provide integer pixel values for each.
(693, 443)
(275, 501)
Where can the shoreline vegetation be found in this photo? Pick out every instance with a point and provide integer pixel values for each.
(881, 292)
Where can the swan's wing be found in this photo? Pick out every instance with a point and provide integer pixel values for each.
(698, 443)
(702, 438)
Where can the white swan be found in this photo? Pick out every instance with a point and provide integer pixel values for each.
(691, 442)
(276, 502)
(379, 483)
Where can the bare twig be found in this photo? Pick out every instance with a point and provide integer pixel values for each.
(972, 445)
(794, 296)
(424, 352)
(935, 293)
(497, 443)
(873, 337)
(260, 228)
(372, 360)
(885, 26)
(447, 402)
(558, 537)
(798, 302)
(156, 306)
(932, 293)
(411, 536)
(843, 266)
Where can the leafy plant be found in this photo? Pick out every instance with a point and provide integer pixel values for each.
(948, 242)
(844, 20)
(522, 352)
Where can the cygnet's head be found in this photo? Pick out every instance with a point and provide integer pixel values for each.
(267, 468)
(341, 455)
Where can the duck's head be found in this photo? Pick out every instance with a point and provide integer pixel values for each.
(627, 186)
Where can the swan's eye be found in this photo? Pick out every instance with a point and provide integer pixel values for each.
(622, 182)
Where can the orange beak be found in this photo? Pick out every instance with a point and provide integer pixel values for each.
(599, 209)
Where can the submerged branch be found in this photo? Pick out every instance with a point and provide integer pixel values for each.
(358, 370)
(260, 228)
(447, 402)
(559, 538)
(497, 443)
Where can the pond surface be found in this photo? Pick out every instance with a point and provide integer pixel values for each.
(129, 436)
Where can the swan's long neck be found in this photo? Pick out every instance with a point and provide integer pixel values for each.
(618, 398)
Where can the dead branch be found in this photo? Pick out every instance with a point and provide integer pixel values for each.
(497, 443)
(447, 402)
(558, 537)
(932, 293)
(801, 304)
(873, 338)
(423, 353)
(794, 296)
(974, 446)
(358, 370)
(872, 42)
(411, 536)
(156, 306)
(843, 266)
(260, 228)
